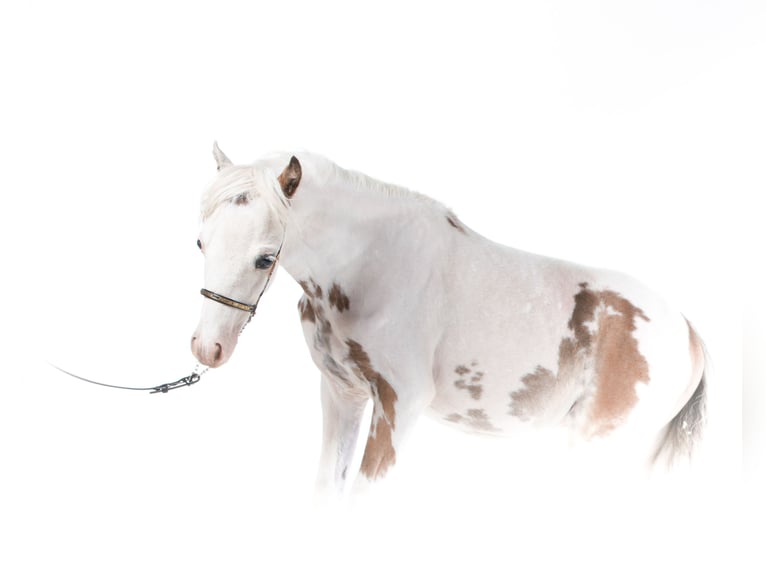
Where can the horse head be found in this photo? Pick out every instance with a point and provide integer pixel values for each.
(244, 215)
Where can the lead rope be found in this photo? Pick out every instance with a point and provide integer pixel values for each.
(196, 374)
(186, 381)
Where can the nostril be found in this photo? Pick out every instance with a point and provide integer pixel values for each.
(218, 352)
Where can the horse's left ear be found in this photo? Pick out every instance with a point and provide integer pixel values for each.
(220, 157)
(290, 177)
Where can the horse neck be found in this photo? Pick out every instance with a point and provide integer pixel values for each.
(335, 224)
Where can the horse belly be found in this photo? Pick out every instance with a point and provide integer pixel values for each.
(484, 361)
(598, 356)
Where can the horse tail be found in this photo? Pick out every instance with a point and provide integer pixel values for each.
(683, 432)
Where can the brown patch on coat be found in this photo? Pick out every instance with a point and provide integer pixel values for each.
(242, 199)
(338, 299)
(474, 389)
(379, 454)
(538, 388)
(311, 289)
(307, 310)
(455, 222)
(476, 419)
(312, 311)
(610, 351)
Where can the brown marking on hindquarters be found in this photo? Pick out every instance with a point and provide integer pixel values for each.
(611, 352)
(619, 364)
(379, 454)
(455, 222)
(462, 370)
(338, 299)
(306, 310)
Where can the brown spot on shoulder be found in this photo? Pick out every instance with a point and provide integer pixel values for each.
(306, 310)
(379, 454)
(462, 370)
(338, 299)
(610, 350)
(311, 288)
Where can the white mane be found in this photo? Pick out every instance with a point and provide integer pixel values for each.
(259, 181)
(326, 171)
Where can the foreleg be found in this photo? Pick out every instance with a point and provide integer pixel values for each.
(342, 413)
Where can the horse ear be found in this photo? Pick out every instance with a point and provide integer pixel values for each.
(220, 157)
(290, 177)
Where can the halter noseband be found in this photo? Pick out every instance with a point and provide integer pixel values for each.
(229, 302)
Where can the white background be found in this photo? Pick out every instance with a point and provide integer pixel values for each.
(619, 134)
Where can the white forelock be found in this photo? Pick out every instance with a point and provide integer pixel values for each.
(255, 182)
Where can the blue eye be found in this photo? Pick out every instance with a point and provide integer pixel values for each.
(265, 261)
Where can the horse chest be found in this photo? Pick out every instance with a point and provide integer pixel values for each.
(324, 314)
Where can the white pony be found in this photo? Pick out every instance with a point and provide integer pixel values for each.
(407, 307)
